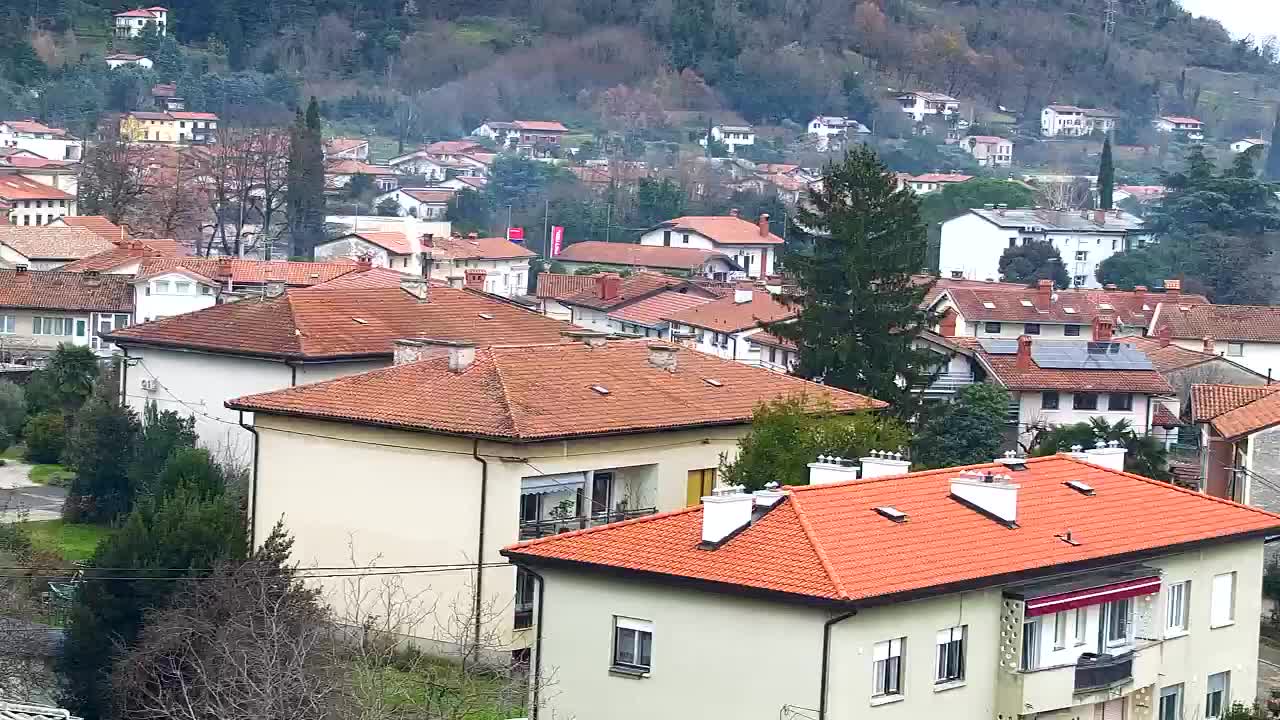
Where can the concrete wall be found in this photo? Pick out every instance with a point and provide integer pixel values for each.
(1262, 358)
(40, 212)
(972, 247)
(1030, 411)
(159, 296)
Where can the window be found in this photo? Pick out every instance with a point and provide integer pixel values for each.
(684, 238)
(992, 327)
(1071, 330)
(1117, 619)
(8, 324)
(1080, 280)
(951, 655)
(1081, 620)
(1170, 703)
(887, 678)
(162, 287)
(1235, 349)
(666, 238)
(181, 287)
(530, 507)
(1049, 400)
(1085, 401)
(632, 644)
(1215, 700)
(1222, 600)
(1013, 242)
(1060, 630)
(1031, 329)
(1120, 401)
(1031, 644)
(51, 326)
(1178, 599)
(525, 586)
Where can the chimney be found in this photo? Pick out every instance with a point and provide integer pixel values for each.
(608, 285)
(1044, 293)
(274, 289)
(763, 224)
(768, 497)
(457, 282)
(1172, 288)
(742, 295)
(1210, 344)
(880, 463)
(1024, 353)
(1165, 335)
(1140, 292)
(92, 278)
(686, 338)
(988, 493)
(1077, 452)
(1108, 455)
(364, 264)
(415, 286)
(663, 356)
(1103, 326)
(764, 262)
(830, 469)
(474, 279)
(733, 212)
(724, 512)
(1099, 217)
(590, 338)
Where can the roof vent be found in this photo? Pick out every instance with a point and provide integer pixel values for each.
(892, 513)
(1026, 303)
(988, 305)
(1066, 538)
(600, 389)
(1105, 306)
(1069, 310)
(713, 382)
(992, 495)
(360, 321)
(1080, 487)
(486, 316)
(1012, 461)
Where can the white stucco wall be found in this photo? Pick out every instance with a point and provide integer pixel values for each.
(40, 212)
(1262, 358)
(48, 148)
(743, 254)
(972, 247)
(1030, 411)
(158, 297)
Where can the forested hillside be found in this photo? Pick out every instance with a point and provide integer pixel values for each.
(414, 68)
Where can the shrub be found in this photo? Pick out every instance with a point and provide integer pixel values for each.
(13, 407)
(46, 437)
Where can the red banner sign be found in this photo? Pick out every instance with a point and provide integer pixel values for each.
(515, 234)
(557, 239)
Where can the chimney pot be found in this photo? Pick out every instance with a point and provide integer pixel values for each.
(364, 264)
(1109, 455)
(880, 463)
(1044, 292)
(1100, 217)
(1103, 328)
(725, 512)
(1023, 361)
(663, 356)
(763, 224)
(1173, 287)
(609, 285)
(829, 469)
(1165, 334)
(415, 286)
(474, 279)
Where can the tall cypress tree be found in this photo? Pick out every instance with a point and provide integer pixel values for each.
(1106, 177)
(305, 195)
(858, 302)
(1272, 169)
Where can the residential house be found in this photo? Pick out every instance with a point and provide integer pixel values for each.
(1013, 589)
(930, 182)
(40, 310)
(463, 182)
(46, 142)
(34, 203)
(165, 97)
(920, 105)
(495, 265)
(125, 257)
(775, 353)
(1246, 334)
(47, 248)
(63, 175)
(1187, 127)
(345, 148)
(732, 136)
(115, 60)
(537, 133)
(100, 226)
(828, 127)
(175, 127)
(1246, 144)
(134, 23)
(1142, 194)
(989, 151)
(392, 249)
(422, 203)
(465, 449)
(554, 286)
(677, 260)
(337, 175)
(651, 316)
(301, 336)
(973, 243)
(1073, 121)
(501, 132)
(727, 327)
(591, 307)
(752, 246)
(1239, 442)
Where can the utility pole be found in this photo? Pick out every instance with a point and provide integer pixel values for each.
(546, 225)
(608, 220)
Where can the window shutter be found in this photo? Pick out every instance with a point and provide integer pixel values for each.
(1220, 610)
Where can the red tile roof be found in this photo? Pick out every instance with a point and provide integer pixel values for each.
(452, 147)
(1256, 323)
(343, 144)
(357, 167)
(16, 187)
(1162, 416)
(541, 392)
(940, 178)
(378, 277)
(764, 338)
(653, 256)
(540, 126)
(1181, 120)
(1168, 358)
(31, 126)
(1004, 369)
(51, 242)
(426, 195)
(26, 162)
(184, 115)
(1209, 400)
(827, 541)
(393, 241)
(655, 309)
(727, 315)
(1249, 418)
(122, 254)
(485, 248)
(105, 229)
(252, 272)
(556, 285)
(1129, 308)
(326, 323)
(136, 13)
(723, 229)
(634, 287)
(53, 290)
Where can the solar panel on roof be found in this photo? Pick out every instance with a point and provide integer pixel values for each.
(999, 346)
(1089, 356)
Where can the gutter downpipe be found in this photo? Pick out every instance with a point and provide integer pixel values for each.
(253, 479)
(124, 378)
(826, 660)
(536, 679)
(484, 496)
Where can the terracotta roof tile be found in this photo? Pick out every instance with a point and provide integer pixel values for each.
(539, 392)
(1247, 419)
(540, 125)
(635, 287)
(557, 285)
(1209, 400)
(32, 126)
(427, 195)
(764, 338)
(654, 309)
(654, 256)
(16, 187)
(53, 290)
(339, 145)
(1168, 358)
(827, 541)
(252, 272)
(485, 248)
(1162, 416)
(105, 229)
(1009, 304)
(122, 254)
(1256, 323)
(378, 277)
(393, 241)
(723, 229)
(940, 178)
(50, 242)
(324, 322)
(1004, 369)
(727, 315)
(452, 147)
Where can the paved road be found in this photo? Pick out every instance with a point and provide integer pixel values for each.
(1268, 668)
(16, 491)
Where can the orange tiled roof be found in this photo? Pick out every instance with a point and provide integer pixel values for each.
(123, 253)
(540, 126)
(1250, 418)
(723, 229)
(378, 277)
(51, 242)
(96, 223)
(727, 315)
(634, 287)
(252, 272)
(557, 285)
(1130, 308)
(1209, 400)
(485, 248)
(1005, 370)
(764, 338)
(1168, 358)
(32, 126)
(940, 178)
(54, 290)
(338, 145)
(827, 541)
(428, 195)
(1256, 323)
(326, 323)
(16, 187)
(357, 167)
(541, 392)
(1162, 416)
(656, 256)
(655, 309)
(393, 241)
(452, 147)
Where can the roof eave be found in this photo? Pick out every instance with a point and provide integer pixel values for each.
(130, 341)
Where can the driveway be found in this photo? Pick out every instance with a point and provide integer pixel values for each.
(41, 502)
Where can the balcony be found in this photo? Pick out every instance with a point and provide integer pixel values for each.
(949, 383)
(1103, 672)
(554, 526)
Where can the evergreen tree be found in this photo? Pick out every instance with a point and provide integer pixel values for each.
(100, 448)
(305, 196)
(1033, 261)
(1106, 177)
(163, 433)
(65, 383)
(858, 300)
(1273, 155)
(967, 431)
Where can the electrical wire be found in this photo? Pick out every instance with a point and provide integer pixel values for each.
(206, 578)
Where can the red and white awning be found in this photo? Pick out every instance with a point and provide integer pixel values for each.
(1047, 604)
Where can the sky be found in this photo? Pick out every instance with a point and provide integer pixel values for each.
(1259, 18)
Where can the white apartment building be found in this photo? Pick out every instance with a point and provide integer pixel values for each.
(973, 243)
(732, 136)
(49, 143)
(133, 23)
(752, 246)
(34, 203)
(1072, 121)
(920, 105)
(988, 150)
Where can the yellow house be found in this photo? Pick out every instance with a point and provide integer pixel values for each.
(169, 127)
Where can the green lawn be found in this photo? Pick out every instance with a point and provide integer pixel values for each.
(74, 542)
(14, 452)
(407, 690)
(53, 474)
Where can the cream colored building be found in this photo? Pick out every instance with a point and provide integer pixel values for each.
(894, 598)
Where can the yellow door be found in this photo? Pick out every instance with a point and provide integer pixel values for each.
(700, 484)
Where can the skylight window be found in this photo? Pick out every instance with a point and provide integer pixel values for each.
(1069, 310)
(361, 321)
(1080, 487)
(989, 305)
(1145, 308)
(892, 513)
(600, 389)
(486, 316)
(713, 382)
(1026, 303)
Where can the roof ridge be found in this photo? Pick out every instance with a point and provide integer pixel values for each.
(503, 400)
(607, 526)
(803, 519)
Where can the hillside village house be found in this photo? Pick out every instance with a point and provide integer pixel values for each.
(728, 327)
(828, 127)
(133, 23)
(34, 203)
(107, 230)
(1072, 121)
(973, 243)
(445, 160)
(345, 148)
(36, 137)
(115, 60)
(465, 450)
(930, 182)
(989, 151)
(651, 317)
(1239, 441)
(47, 248)
(522, 134)
(1013, 589)
(1246, 334)
(181, 127)
(338, 174)
(618, 256)
(1188, 127)
(423, 203)
(751, 245)
(59, 174)
(303, 336)
(732, 136)
(553, 286)
(592, 306)
(1246, 144)
(40, 310)
(495, 265)
(920, 105)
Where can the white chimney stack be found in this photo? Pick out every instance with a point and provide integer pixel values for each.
(769, 496)
(1108, 455)
(829, 469)
(880, 463)
(724, 512)
(989, 493)
(1077, 452)
(742, 295)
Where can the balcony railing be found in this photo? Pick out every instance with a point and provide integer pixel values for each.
(554, 526)
(950, 382)
(1099, 672)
